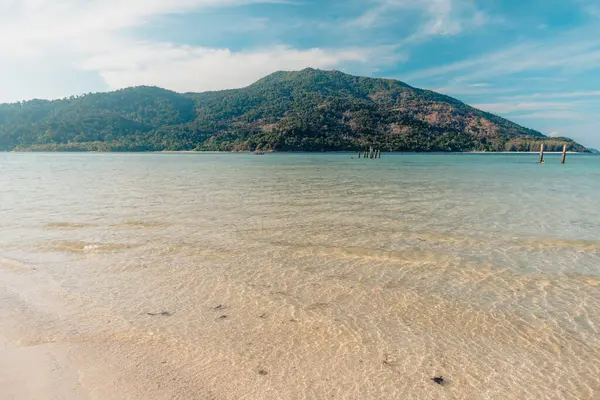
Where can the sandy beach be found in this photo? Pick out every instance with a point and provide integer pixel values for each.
(37, 373)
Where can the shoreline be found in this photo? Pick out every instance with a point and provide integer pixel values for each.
(291, 152)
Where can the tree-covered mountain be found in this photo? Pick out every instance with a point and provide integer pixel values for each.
(310, 110)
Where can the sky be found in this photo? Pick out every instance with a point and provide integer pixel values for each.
(536, 62)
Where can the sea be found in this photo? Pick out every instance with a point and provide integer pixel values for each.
(306, 275)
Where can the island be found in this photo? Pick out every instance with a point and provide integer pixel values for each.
(308, 110)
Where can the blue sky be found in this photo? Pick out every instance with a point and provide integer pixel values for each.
(536, 62)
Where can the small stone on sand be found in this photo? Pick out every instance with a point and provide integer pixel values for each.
(438, 380)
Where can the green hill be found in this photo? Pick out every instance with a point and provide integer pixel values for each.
(310, 110)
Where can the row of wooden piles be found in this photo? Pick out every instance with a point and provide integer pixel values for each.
(372, 154)
(564, 154)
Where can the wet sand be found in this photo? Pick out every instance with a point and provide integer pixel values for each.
(37, 373)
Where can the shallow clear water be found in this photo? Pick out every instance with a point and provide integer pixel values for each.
(337, 277)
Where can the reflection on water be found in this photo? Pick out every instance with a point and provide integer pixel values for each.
(309, 276)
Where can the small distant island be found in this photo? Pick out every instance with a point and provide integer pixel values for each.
(308, 110)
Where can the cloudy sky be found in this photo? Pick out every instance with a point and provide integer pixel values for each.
(536, 62)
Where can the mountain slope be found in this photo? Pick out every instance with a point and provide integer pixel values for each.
(309, 110)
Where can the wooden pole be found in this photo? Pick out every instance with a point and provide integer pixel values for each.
(359, 154)
(371, 152)
(379, 153)
(542, 154)
(564, 154)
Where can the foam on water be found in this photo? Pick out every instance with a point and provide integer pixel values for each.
(308, 276)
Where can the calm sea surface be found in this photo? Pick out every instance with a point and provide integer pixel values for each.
(307, 276)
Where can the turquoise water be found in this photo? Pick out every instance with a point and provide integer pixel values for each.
(342, 277)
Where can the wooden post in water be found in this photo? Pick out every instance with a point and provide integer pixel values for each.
(379, 154)
(371, 152)
(542, 154)
(359, 154)
(564, 154)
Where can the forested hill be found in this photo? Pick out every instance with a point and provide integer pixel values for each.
(310, 110)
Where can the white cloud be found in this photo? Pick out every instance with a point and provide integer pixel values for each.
(445, 18)
(187, 68)
(28, 26)
(559, 95)
(566, 52)
(510, 107)
(562, 115)
(369, 18)
(93, 36)
(440, 17)
(591, 7)
(472, 90)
